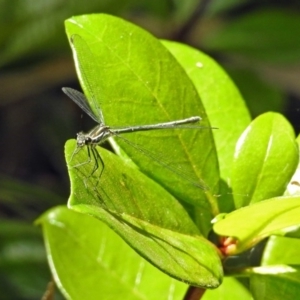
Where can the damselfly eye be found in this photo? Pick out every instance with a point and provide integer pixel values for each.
(82, 139)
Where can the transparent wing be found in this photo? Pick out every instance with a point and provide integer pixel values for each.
(179, 171)
(81, 101)
(85, 63)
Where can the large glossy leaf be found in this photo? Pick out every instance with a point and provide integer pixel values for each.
(251, 224)
(89, 261)
(282, 282)
(281, 250)
(146, 216)
(218, 95)
(293, 188)
(137, 81)
(266, 157)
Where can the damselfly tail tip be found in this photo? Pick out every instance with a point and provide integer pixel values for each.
(193, 119)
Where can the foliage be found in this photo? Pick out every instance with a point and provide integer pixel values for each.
(257, 44)
(165, 218)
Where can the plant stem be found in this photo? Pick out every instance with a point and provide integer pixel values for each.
(194, 293)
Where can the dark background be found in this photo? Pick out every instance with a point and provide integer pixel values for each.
(257, 42)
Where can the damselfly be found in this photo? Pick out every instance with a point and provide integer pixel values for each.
(102, 132)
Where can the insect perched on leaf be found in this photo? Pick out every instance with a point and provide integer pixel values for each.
(101, 132)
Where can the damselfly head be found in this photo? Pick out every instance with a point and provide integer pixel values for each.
(82, 139)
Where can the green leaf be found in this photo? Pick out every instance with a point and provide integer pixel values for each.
(266, 157)
(218, 94)
(281, 250)
(89, 261)
(277, 285)
(265, 35)
(230, 289)
(137, 81)
(251, 224)
(184, 251)
(293, 188)
(146, 216)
